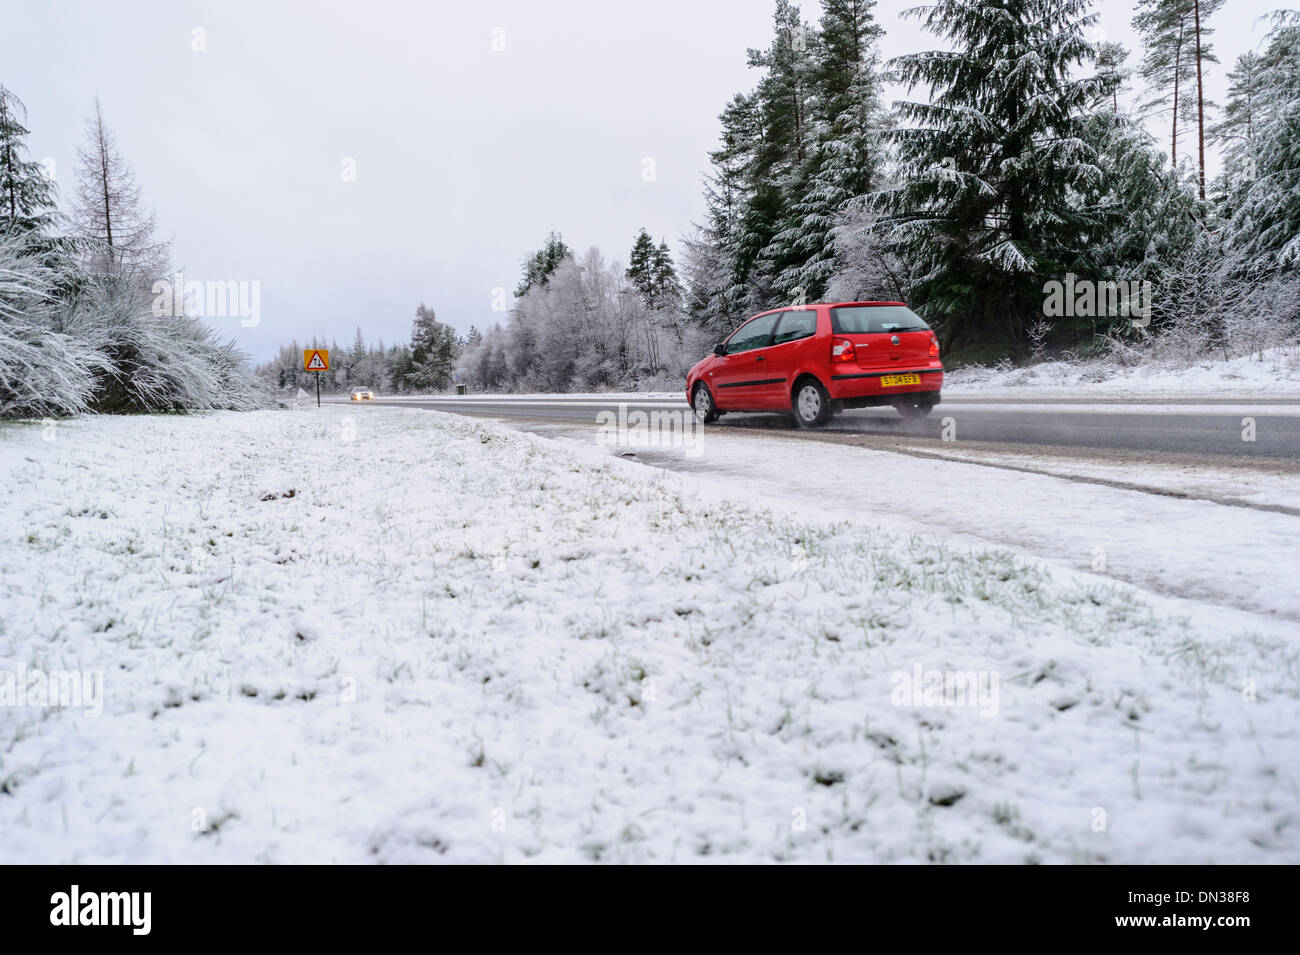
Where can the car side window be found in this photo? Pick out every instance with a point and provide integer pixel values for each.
(795, 324)
(756, 333)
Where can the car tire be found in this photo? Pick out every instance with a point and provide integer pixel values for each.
(706, 409)
(810, 403)
(913, 410)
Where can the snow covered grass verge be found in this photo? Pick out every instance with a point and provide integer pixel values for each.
(400, 636)
(1272, 372)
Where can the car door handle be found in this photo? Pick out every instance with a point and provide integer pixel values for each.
(760, 358)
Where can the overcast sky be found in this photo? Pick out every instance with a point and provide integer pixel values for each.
(465, 155)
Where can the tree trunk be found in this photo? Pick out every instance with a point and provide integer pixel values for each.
(9, 166)
(103, 170)
(1178, 65)
(1200, 98)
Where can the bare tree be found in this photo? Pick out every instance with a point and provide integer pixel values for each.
(108, 212)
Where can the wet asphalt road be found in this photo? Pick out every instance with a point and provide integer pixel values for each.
(1210, 429)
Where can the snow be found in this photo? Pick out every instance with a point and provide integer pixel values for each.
(1219, 555)
(1274, 372)
(456, 642)
(1257, 485)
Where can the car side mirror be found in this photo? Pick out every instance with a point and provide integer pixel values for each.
(720, 348)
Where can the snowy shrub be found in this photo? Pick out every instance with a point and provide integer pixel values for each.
(156, 362)
(870, 271)
(43, 372)
(1265, 315)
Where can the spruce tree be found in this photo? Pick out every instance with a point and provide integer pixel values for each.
(27, 196)
(666, 290)
(433, 350)
(993, 162)
(716, 270)
(1265, 229)
(641, 267)
(847, 151)
(539, 266)
(758, 176)
(1235, 134)
(779, 175)
(1147, 219)
(1111, 70)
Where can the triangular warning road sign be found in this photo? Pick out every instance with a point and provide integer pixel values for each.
(316, 363)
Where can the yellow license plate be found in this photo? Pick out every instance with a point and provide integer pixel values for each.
(889, 381)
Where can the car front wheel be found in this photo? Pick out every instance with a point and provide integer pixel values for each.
(811, 404)
(705, 410)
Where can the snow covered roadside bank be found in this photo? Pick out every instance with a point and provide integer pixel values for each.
(455, 642)
(1275, 373)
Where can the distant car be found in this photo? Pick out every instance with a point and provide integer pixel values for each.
(816, 360)
(362, 394)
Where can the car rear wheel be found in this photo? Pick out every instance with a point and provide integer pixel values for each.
(702, 401)
(811, 404)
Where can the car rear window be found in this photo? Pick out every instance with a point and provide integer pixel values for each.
(871, 319)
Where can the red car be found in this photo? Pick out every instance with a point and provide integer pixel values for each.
(816, 360)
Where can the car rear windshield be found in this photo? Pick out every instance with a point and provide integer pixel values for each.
(870, 319)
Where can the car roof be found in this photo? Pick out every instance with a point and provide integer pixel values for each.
(811, 305)
(847, 304)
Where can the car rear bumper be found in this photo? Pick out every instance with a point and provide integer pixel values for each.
(855, 384)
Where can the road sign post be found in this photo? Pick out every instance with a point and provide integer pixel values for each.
(317, 360)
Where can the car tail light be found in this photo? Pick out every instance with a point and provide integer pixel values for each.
(934, 347)
(842, 350)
